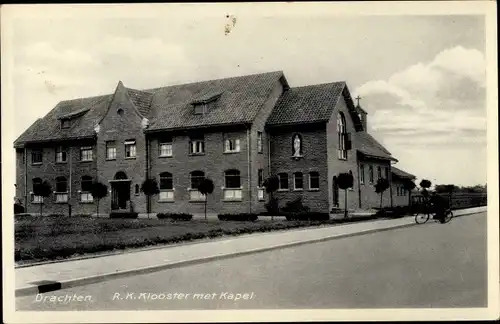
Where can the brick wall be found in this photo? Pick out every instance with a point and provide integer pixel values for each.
(49, 170)
(314, 160)
(336, 165)
(213, 163)
(119, 128)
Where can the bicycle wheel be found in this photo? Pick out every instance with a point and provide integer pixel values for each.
(448, 216)
(421, 218)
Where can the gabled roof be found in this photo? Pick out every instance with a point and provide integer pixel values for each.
(240, 99)
(402, 174)
(312, 103)
(370, 147)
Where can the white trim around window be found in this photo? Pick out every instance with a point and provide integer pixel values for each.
(61, 197)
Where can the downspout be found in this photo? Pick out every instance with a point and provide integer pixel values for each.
(268, 154)
(148, 202)
(249, 172)
(389, 177)
(25, 179)
(70, 172)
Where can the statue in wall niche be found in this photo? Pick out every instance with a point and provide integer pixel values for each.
(296, 146)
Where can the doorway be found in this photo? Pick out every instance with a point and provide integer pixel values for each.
(335, 192)
(120, 191)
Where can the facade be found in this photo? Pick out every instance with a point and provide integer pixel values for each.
(236, 131)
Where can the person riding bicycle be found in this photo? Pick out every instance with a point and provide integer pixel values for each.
(439, 206)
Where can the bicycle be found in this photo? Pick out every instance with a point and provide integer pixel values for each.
(422, 218)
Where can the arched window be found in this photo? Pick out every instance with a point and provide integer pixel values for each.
(85, 194)
(298, 181)
(166, 181)
(232, 185)
(314, 180)
(232, 179)
(370, 173)
(196, 177)
(342, 136)
(379, 172)
(34, 198)
(120, 175)
(61, 184)
(297, 145)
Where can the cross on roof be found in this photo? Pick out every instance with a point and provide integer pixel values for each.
(357, 98)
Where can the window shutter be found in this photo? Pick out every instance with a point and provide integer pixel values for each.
(237, 145)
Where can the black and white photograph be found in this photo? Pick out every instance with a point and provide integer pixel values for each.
(200, 162)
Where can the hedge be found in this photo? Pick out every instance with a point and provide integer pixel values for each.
(307, 216)
(238, 217)
(123, 215)
(173, 216)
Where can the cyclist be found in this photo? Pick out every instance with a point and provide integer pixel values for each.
(439, 205)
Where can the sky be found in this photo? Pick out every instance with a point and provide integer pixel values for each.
(421, 78)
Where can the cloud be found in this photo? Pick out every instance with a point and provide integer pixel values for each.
(437, 103)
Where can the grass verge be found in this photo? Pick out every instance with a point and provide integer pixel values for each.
(55, 238)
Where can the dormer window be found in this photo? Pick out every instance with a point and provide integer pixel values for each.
(65, 123)
(201, 108)
(205, 104)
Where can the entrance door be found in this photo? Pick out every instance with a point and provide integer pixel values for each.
(335, 191)
(120, 191)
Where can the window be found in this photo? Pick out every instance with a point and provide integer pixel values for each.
(85, 194)
(260, 182)
(36, 199)
(231, 145)
(110, 150)
(130, 149)
(61, 155)
(137, 190)
(342, 137)
(36, 156)
(379, 172)
(65, 123)
(370, 173)
(165, 147)
(197, 145)
(166, 186)
(86, 153)
(314, 180)
(61, 190)
(232, 185)
(259, 142)
(386, 171)
(297, 146)
(298, 181)
(361, 174)
(196, 177)
(283, 181)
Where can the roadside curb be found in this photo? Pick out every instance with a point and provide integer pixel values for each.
(53, 286)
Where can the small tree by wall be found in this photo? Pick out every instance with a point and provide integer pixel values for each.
(150, 188)
(98, 190)
(449, 189)
(206, 187)
(381, 186)
(345, 181)
(271, 184)
(425, 185)
(409, 185)
(43, 190)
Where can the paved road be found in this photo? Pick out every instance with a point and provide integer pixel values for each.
(431, 265)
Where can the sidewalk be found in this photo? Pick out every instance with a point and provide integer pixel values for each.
(52, 276)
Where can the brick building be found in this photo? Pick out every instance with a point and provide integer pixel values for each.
(235, 131)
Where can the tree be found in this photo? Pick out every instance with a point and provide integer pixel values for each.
(449, 189)
(206, 187)
(271, 184)
(409, 185)
(44, 190)
(98, 191)
(381, 186)
(150, 188)
(345, 181)
(425, 185)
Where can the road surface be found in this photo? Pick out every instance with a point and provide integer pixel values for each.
(431, 266)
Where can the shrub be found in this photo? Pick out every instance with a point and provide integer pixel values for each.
(56, 215)
(173, 216)
(316, 216)
(123, 215)
(295, 206)
(238, 217)
(83, 215)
